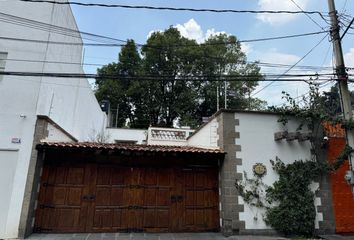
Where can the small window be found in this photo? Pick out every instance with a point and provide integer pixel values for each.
(3, 57)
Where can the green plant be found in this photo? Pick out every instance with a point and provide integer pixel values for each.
(292, 210)
(252, 190)
(289, 202)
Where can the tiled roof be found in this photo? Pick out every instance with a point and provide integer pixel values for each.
(127, 147)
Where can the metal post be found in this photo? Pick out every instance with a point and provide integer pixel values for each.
(217, 98)
(225, 83)
(342, 79)
(117, 116)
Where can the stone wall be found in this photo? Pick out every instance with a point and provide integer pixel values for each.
(230, 208)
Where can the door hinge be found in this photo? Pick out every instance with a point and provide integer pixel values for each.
(42, 206)
(40, 229)
(47, 184)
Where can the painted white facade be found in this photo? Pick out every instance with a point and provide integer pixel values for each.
(68, 102)
(258, 146)
(116, 135)
(55, 134)
(207, 136)
(168, 136)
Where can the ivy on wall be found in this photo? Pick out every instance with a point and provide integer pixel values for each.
(289, 202)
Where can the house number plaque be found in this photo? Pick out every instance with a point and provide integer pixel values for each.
(259, 169)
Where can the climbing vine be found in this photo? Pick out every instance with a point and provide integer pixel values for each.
(289, 203)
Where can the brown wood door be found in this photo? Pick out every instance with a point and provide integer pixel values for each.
(197, 200)
(131, 199)
(60, 204)
(110, 198)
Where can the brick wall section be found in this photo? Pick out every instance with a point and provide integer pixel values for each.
(230, 208)
(33, 179)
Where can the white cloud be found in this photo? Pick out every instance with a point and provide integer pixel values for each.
(349, 58)
(274, 56)
(246, 48)
(192, 30)
(277, 5)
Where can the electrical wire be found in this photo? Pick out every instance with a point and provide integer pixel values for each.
(156, 46)
(261, 64)
(290, 78)
(298, 6)
(173, 8)
(292, 66)
(20, 21)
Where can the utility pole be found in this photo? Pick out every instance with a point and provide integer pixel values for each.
(343, 85)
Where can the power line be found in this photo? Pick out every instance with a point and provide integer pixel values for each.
(11, 19)
(156, 46)
(290, 78)
(292, 66)
(298, 6)
(173, 8)
(262, 64)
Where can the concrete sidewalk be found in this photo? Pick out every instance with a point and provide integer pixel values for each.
(146, 236)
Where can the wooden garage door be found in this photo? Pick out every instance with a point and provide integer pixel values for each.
(108, 198)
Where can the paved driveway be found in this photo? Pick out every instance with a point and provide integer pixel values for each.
(145, 236)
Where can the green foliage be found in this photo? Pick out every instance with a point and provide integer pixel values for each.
(289, 203)
(171, 57)
(293, 211)
(343, 156)
(252, 190)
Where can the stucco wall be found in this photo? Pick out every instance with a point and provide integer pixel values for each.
(206, 136)
(258, 146)
(8, 162)
(125, 134)
(69, 102)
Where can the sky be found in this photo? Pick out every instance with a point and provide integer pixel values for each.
(137, 24)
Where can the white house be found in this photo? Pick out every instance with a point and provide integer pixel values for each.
(37, 108)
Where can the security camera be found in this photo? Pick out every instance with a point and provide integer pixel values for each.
(349, 177)
(325, 138)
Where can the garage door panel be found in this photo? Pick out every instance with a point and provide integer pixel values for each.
(151, 177)
(109, 198)
(59, 195)
(75, 176)
(150, 196)
(119, 217)
(68, 218)
(150, 218)
(103, 196)
(118, 197)
(163, 197)
(103, 175)
(74, 196)
(103, 219)
(59, 176)
(163, 218)
(164, 177)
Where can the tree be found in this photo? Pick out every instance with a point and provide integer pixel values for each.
(175, 79)
(171, 58)
(222, 55)
(117, 90)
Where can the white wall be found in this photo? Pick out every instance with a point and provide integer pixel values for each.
(56, 135)
(258, 146)
(8, 161)
(68, 102)
(126, 134)
(207, 136)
